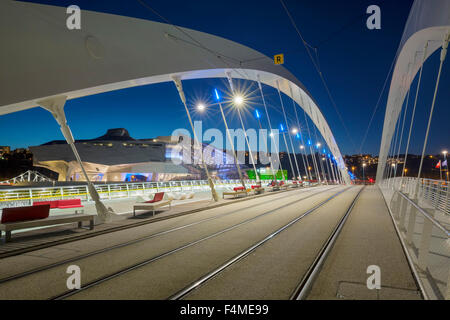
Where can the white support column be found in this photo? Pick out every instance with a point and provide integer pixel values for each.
(230, 81)
(179, 87)
(55, 106)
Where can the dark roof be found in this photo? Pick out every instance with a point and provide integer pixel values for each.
(117, 134)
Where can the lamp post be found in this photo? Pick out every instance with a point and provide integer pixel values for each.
(363, 166)
(319, 163)
(179, 87)
(258, 116)
(446, 164)
(287, 149)
(201, 106)
(238, 101)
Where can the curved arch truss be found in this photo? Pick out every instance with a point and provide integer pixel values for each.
(428, 23)
(112, 52)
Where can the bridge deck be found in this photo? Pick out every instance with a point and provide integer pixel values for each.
(368, 238)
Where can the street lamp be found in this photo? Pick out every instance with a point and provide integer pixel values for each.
(446, 164)
(238, 100)
(179, 87)
(363, 165)
(217, 96)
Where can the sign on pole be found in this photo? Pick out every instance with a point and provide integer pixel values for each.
(279, 58)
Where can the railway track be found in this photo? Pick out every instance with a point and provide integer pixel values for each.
(152, 236)
(95, 233)
(302, 288)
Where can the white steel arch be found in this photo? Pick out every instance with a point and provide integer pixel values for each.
(110, 52)
(428, 22)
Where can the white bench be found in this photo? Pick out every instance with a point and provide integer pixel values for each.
(151, 206)
(7, 227)
(258, 190)
(234, 193)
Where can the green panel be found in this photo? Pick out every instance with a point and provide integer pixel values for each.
(266, 174)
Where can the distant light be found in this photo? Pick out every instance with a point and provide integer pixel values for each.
(318, 144)
(294, 131)
(217, 94)
(257, 114)
(200, 107)
(271, 134)
(445, 152)
(302, 146)
(309, 142)
(324, 151)
(298, 135)
(238, 100)
(281, 127)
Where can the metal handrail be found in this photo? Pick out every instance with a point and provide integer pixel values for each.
(424, 213)
(117, 190)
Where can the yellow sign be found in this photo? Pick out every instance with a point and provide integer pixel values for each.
(279, 58)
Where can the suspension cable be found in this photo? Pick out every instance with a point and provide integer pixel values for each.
(230, 80)
(288, 132)
(442, 58)
(299, 129)
(414, 109)
(317, 67)
(309, 140)
(270, 126)
(403, 122)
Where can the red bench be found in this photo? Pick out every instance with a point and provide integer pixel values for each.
(257, 189)
(69, 203)
(238, 188)
(153, 204)
(25, 213)
(37, 216)
(61, 204)
(158, 197)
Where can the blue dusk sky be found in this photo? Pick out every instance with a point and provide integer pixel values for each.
(355, 62)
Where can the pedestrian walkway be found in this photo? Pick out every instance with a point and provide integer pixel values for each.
(367, 238)
(40, 238)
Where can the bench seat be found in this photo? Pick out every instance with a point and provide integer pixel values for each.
(151, 206)
(62, 204)
(234, 193)
(258, 189)
(7, 227)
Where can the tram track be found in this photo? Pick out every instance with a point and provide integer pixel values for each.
(148, 237)
(96, 233)
(302, 288)
(156, 258)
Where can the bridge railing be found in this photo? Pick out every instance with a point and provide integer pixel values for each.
(420, 211)
(14, 197)
(434, 193)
